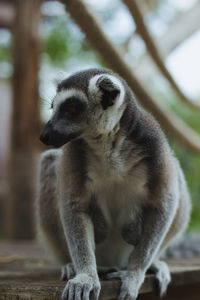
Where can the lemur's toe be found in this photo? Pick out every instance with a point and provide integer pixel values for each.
(162, 277)
(104, 271)
(67, 272)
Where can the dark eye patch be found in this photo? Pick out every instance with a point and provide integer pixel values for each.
(71, 106)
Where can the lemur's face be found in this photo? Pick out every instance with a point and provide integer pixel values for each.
(87, 104)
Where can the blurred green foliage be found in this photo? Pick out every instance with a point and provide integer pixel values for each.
(190, 161)
(5, 53)
(62, 41)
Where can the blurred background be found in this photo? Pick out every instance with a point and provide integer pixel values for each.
(153, 44)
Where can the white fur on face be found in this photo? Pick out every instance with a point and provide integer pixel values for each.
(63, 95)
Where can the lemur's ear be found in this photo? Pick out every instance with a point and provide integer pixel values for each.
(110, 91)
(59, 77)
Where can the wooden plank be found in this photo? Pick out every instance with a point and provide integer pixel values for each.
(52, 289)
(31, 276)
(186, 292)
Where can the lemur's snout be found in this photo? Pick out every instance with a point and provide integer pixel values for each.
(52, 137)
(45, 136)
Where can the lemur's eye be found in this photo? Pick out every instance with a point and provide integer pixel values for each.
(71, 107)
(72, 110)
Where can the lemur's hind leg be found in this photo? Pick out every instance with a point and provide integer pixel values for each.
(49, 225)
(177, 228)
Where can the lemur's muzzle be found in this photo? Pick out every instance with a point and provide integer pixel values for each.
(52, 137)
(46, 133)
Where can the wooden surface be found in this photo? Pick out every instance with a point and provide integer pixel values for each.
(25, 273)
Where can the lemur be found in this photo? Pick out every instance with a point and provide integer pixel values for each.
(113, 197)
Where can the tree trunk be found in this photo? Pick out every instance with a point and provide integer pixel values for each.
(25, 120)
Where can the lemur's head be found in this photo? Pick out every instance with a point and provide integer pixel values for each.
(88, 103)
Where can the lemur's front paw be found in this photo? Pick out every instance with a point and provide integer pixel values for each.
(67, 271)
(80, 288)
(163, 277)
(131, 282)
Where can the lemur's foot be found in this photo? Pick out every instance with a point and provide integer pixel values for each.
(163, 277)
(67, 271)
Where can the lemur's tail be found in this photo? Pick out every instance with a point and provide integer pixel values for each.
(189, 246)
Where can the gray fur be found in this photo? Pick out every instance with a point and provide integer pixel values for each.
(118, 193)
(47, 214)
(99, 222)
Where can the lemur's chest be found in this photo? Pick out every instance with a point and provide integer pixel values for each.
(117, 162)
(119, 187)
(116, 211)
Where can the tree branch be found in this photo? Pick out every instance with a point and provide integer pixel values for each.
(174, 36)
(154, 52)
(178, 30)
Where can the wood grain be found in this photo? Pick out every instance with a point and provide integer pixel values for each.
(33, 276)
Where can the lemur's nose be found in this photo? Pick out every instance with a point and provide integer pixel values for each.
(45, 136)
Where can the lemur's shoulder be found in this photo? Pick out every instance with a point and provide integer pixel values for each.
(144, 131)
